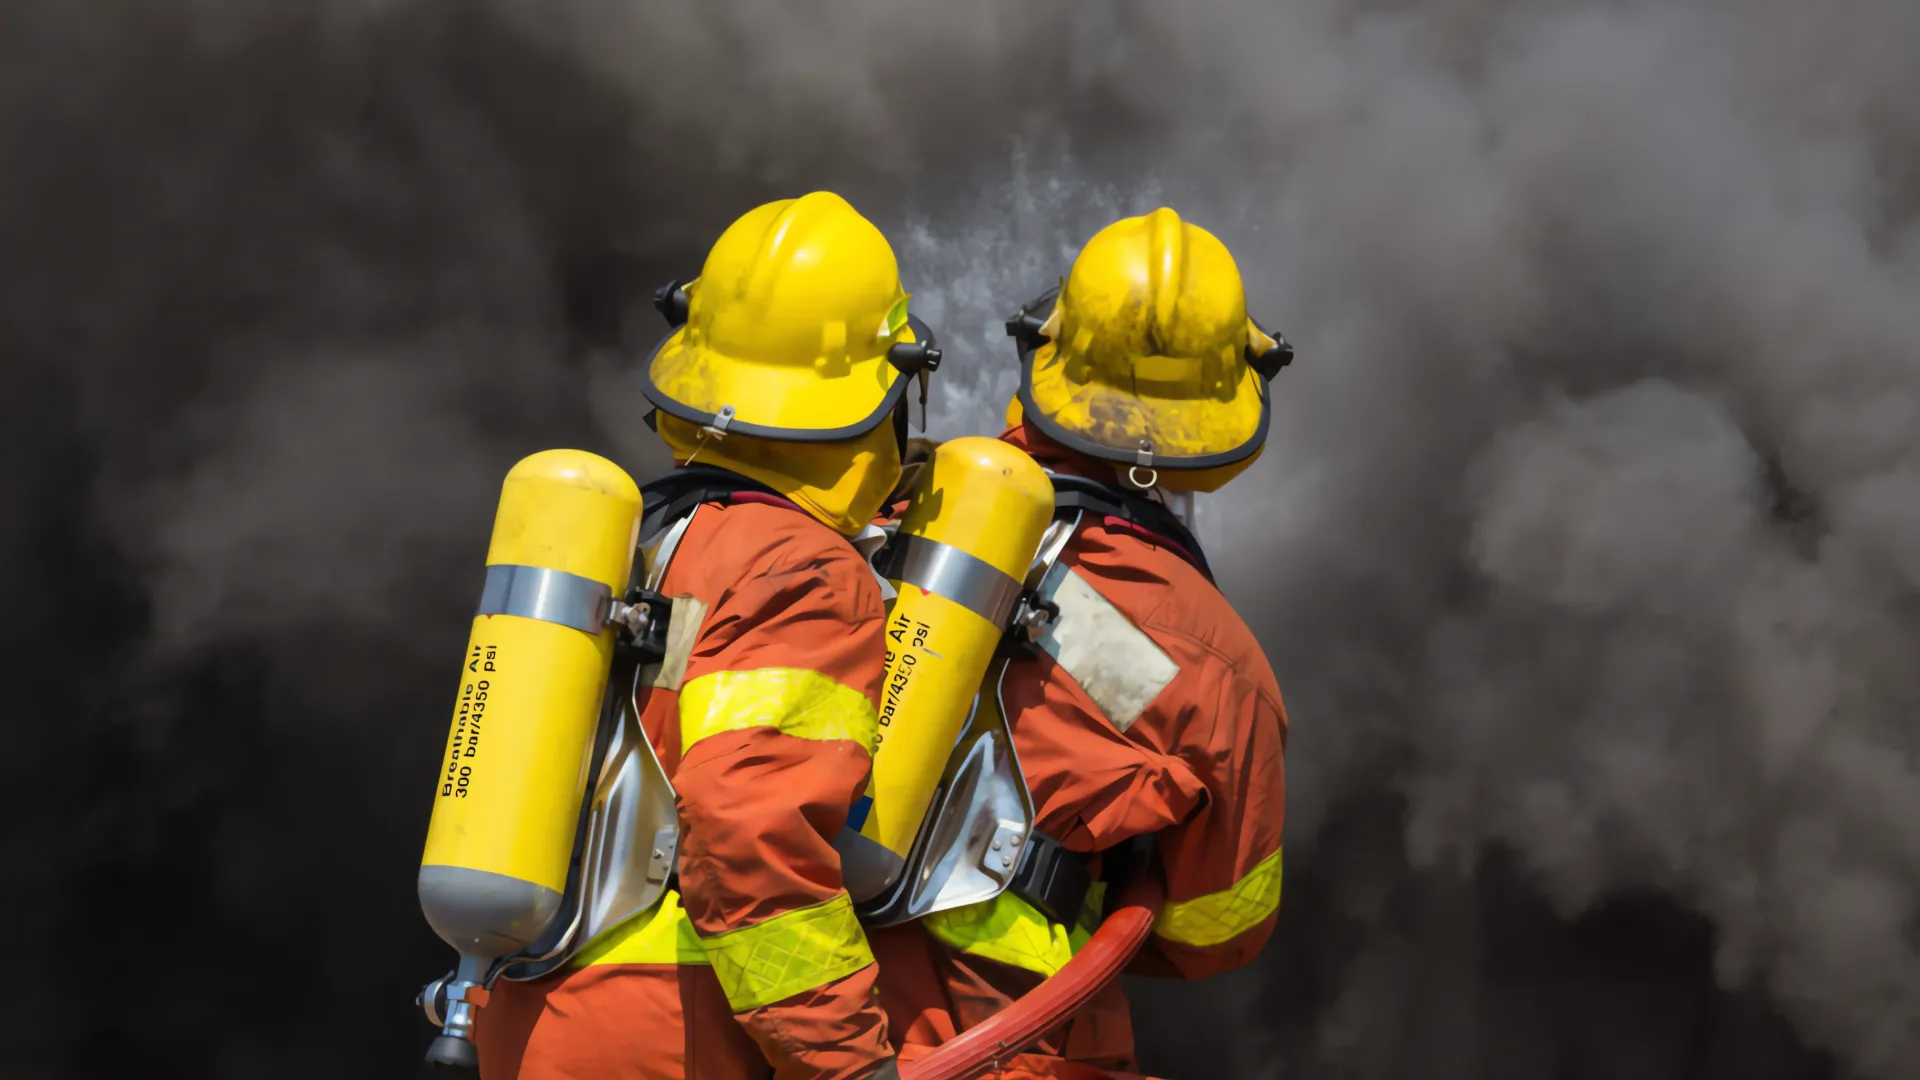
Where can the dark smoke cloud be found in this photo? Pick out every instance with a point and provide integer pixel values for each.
(1585, 546)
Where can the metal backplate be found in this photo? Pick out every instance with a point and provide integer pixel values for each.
(628, 853)
(976, 828)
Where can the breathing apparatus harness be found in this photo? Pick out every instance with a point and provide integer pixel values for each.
(1141, 514)
(1051, 877)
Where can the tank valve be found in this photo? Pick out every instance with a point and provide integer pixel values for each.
(448, 1002)
(510, 784)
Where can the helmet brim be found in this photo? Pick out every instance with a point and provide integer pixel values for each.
(779, 402)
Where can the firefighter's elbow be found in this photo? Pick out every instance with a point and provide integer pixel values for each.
(1189, 961)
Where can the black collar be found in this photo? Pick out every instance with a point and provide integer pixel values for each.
(673, 495)
(1080, 493)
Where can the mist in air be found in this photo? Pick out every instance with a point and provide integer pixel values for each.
(1586, 546)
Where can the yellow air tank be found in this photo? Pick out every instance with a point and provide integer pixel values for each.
(971, 529)
(507, 799)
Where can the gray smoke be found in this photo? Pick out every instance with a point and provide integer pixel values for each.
(1585, 546)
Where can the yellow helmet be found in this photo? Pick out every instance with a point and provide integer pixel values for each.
(796, 329)
(1145, 355)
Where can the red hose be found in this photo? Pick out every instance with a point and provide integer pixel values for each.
(1048, 1005)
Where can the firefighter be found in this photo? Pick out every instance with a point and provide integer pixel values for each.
(1148, 722)
(782, 397)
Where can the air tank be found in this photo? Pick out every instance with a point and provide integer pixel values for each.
(971, 529)
(512, 777)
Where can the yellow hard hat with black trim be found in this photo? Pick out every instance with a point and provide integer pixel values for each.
(796, 330)
(1146, 356)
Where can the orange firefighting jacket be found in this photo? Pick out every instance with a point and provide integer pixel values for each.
(1173, 728)
(766, 736)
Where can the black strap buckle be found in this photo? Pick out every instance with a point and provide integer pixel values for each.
(1030, 619)
(643, 616)
(1053, 879)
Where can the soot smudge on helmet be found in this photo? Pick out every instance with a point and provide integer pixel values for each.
(1583, 547)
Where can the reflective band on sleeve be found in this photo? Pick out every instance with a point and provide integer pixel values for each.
(555, 596)
(1005, 929)
(1220, 917)
(788, 954)
(662, 934)
(793, 701)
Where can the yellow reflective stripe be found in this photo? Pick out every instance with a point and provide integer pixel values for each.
(662, 934)
(1223, 916)
(790, 953)
(1006, 929)
(794, 701)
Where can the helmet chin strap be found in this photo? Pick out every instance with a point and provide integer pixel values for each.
(900, 426)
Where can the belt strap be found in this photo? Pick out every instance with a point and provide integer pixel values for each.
(1052, 879)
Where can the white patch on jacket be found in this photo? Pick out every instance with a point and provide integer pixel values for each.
(1114, 661)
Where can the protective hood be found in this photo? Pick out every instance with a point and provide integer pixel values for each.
(840, 483)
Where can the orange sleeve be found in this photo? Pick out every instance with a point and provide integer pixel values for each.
(1093, 786)
(1222, 864)
(777, 710)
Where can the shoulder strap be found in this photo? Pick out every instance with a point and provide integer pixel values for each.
(660, 552)
(673, 497)
(1076, 494)
(676, 493)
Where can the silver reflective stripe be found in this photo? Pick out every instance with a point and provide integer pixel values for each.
(555, 596)
(973, 584)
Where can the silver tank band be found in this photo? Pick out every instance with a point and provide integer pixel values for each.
(555, 596)
(972, 583)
